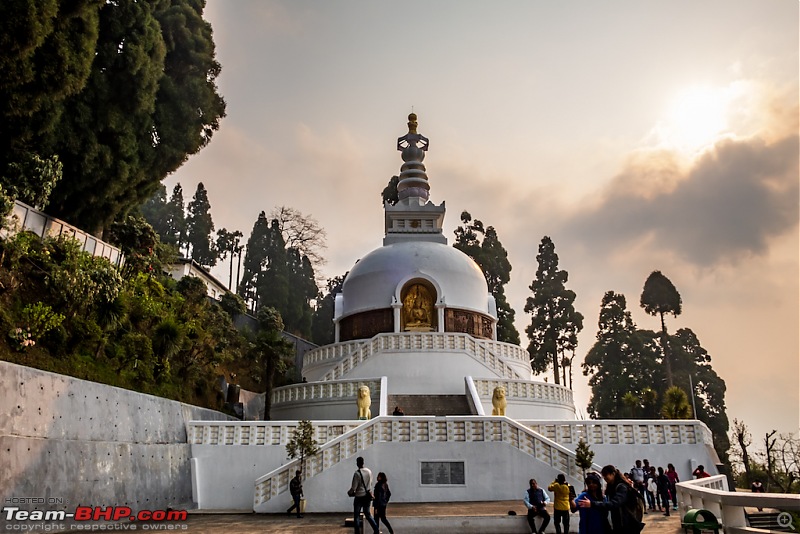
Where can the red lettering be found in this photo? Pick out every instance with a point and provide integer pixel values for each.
(176, 515)
(144, 515)
(121, 512)
(103, 513)
(83, 513)
(159, 515)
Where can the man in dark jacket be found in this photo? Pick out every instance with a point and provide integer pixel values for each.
(296, 489)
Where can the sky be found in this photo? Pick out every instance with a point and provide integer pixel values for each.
(639, 136)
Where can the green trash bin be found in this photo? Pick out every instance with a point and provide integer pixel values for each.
(698, 520)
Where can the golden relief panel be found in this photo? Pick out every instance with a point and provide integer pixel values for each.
(467, 322)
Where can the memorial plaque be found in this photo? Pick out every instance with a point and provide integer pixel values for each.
(442, 474)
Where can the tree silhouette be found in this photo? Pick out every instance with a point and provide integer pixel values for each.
(554, 321)
(482, 245)
(660, 297)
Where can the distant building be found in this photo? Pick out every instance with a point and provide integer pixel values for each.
(189, 267)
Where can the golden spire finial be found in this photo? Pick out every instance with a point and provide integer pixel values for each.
(412, 123)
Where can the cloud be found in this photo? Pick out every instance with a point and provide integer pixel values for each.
(727, 205)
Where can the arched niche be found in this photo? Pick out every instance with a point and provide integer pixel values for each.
(418, 313)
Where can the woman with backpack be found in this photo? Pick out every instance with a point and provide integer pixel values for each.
(623, 502)
(382, 496)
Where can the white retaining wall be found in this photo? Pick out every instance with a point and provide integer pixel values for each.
(92, 444)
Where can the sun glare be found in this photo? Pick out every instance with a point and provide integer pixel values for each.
(697, 117)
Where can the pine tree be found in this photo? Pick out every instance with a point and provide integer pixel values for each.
(272, 352)
(176, 219)
(554, 323)
(482, 245)
(621, 361)
(228, 245)
(149, 102)
(155, 211)
(302, 444)
(46, 52)
(659, 296)
(199, 226)
(255, 260)
(584, 456)
(322, 329)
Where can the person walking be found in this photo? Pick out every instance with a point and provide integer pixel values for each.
(662, 486)
(362, 496)
(623, 503)
(673, 480)
(534, 500)
(561, 510)
(296, 490)
(592, 520)
(382, 496)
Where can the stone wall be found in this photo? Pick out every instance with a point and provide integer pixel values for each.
(75, 442)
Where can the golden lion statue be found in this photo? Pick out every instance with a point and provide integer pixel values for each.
(364, 402)
(499, 401)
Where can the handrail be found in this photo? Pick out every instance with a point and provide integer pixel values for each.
(260, 433)
(712, 494)
(525, 389)
(340, 350)
(420, 429)
(340, 389)
(475, 348)
(624, 431)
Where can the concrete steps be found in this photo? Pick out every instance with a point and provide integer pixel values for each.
(437, 405)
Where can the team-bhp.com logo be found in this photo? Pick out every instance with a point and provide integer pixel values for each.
(94, 514)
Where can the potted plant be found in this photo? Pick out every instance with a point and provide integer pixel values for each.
(303, 445)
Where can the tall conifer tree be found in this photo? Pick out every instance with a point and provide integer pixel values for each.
(554, 322)
(482, 245)
(199, 226)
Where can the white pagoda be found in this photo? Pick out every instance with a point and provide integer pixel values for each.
(416, 328)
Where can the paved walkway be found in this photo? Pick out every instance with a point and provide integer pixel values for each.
(334, 523)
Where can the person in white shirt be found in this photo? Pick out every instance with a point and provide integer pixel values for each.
(362, 496)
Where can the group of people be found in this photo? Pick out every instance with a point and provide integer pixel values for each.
(611, 511)
(657, 487)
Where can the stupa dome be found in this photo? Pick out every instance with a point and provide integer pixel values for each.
(377, 279)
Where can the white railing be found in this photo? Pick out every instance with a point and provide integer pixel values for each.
(525, 390)
(260, 433)
(330, 353)
(414, 429)
(624, 432)
(32, 220)
(728, 506)
(339, 390)
(427, 341)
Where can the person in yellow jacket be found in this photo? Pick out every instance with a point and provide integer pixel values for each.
(560, 490)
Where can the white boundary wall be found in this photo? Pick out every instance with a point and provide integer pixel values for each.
(92, 444)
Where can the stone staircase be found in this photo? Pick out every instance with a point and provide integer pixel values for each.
(438, 405)
(767, 521)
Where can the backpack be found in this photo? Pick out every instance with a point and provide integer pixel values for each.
(634, 504)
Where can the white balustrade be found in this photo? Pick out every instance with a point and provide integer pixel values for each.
(339, 390)
(356, 352)
(712, 494)
(259, 433)
(421, 429)
(525, 390)
(623, 432)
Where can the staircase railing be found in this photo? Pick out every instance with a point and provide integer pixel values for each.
(420, 429)
(623, 432)
(479, 350)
